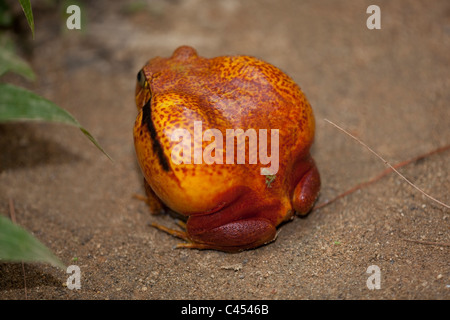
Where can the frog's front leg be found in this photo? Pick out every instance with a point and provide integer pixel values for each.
(155, 204)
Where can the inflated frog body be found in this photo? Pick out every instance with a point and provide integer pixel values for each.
(232, 197)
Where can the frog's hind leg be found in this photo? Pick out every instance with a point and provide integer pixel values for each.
(229, 236)
(306, 191)
(232, 237)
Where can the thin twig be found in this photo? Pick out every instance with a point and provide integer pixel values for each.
(441, 244)
(391, 168)
(12, 213)
(381, 175)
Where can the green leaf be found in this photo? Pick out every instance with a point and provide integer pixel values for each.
(20, 104)
(26, 6)
(10, 62)
(16, 245)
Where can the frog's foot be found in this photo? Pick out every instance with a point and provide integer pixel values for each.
(181, 235)
(176, 233)
(307, 191)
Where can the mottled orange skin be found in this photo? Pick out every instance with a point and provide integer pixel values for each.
(230, 207)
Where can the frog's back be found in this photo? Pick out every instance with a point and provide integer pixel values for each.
(247, 91)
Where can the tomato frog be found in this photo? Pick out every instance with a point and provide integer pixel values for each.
(231, 197)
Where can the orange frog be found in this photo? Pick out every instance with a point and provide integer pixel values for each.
(195, 143)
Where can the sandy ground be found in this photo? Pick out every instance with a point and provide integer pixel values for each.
(390, 87)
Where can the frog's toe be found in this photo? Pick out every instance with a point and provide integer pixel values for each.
(176, 233)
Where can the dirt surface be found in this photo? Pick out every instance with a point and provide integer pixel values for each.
(390, 87)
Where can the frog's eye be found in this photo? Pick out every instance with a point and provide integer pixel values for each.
(141, 78)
